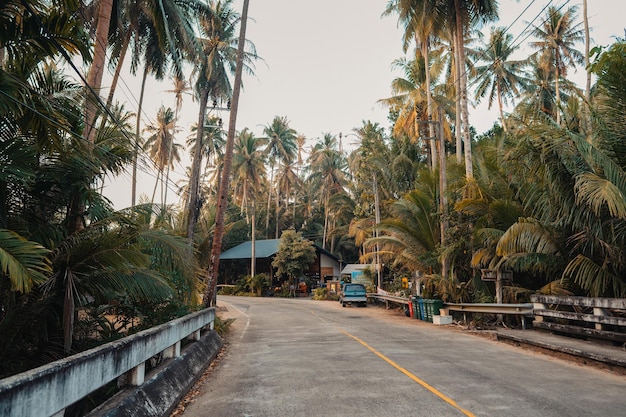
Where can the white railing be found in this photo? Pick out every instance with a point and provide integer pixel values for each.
(596, 317)
(49, 389)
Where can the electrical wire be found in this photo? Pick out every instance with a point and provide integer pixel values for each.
(100, 103)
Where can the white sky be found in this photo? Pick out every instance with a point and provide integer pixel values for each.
(326, 64)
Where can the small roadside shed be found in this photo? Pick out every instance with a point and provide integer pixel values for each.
(354, 273)
(325, 267)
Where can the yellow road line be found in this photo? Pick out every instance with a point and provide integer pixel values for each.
(413, 377)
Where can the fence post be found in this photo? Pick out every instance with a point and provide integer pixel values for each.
(597, 311)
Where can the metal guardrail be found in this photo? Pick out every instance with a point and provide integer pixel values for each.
(389, 298)
(524, 309)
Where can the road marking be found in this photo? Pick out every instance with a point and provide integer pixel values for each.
(413, 377)
(243, 333)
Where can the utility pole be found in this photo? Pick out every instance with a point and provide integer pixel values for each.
(253, 255)
(436, 127)
(443, 184)
(377, 214)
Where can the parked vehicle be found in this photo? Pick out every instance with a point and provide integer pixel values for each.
(353, 294)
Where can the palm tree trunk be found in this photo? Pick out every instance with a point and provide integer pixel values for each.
(443, 185)
(588, 81)
(253, 254)
(192, 206)
(269, 201)
(209, 294)
(326, 198)
(277, 212)
(156, 184)
(69, 314)
(94, 80)
(558, 91)
(469, 172)
(379, 270)
(118, 68)
(457, 103)
(499, 93)
(429, 105)
(133, 196)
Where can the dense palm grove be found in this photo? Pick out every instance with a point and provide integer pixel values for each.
(541, 194)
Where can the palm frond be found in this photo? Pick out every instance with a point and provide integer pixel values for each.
(596, 279)
(24, 262)
(527, 236)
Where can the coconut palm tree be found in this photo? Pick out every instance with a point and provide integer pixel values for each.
(181, 87)
(461, 15)
(328, 173)
(281, 147)
(409, 236)
(287, 179)
(556, 39)
(161, 146)
(219, 44)
(420, 20)
(500, 78)
(248, 167)
(209, 294)
(409, 100)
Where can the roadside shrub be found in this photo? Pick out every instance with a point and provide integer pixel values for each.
(222, 327)
(320, 294)
(258, 283)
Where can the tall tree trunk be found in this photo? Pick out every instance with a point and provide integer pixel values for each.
(253, 250)
(192, 200)
(269, 201)
(94, 79)
(69, 313)
(443, 185)
(469, 172)
(156, 184)
(277, 212)
(499, 93)
(588, 69)
(75, 215)
(326, 198)
(379, 269)
(558, 90)
(214, 261)
(457, 103)
(118, 68)
(133, 195)
(429, 104)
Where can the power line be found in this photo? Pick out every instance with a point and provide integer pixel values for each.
(100, 103)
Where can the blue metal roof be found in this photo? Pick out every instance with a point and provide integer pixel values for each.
(262, 249)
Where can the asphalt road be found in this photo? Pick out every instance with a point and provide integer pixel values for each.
(298, 357)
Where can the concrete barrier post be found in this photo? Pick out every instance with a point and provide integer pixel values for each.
(138, 374)
(539, 306)
(597, 311)
(172, 351)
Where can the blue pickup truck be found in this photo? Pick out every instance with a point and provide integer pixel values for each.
(353, 294)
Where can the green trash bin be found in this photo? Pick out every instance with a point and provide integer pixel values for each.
(432, 308)
(416, 307)
(436, 306)
(422, 308)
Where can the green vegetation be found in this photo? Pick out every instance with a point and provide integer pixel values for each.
(541, 194)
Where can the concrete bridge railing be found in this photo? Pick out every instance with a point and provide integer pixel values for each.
(49, 389)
